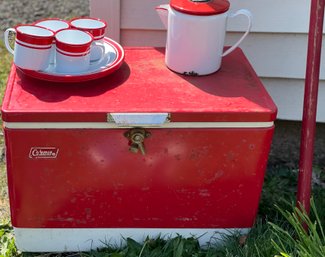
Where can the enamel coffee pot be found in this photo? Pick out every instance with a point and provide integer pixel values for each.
(196, 32)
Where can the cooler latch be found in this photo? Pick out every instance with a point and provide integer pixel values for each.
(136, 138)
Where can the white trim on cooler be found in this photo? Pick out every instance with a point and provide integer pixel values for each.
(86, 239)
(112, 125)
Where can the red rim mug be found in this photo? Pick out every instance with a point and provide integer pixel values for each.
(97, 28)
(32, 50)
(72, 50)
(54, 24)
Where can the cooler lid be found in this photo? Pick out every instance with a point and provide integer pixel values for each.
(144, 85)
(200, 7)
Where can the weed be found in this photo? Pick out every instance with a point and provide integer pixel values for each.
(296, 241)
(7, 242)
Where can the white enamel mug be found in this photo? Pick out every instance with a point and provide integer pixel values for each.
(72, 50)
(97, 28)
(54, 24)
(32, 48)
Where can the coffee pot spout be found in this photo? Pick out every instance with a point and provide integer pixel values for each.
(162, 11)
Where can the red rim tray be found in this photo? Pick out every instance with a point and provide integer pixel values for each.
(64, 78)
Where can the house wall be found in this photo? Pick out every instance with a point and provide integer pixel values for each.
(276, 46)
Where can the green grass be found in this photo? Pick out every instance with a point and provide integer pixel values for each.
(298, 241)
(5, 61)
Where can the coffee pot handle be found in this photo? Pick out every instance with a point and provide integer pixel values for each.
(249, 16)
(6, 36)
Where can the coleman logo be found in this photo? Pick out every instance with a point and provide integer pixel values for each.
(43, 152)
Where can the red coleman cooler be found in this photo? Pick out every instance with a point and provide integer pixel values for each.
(141, 152)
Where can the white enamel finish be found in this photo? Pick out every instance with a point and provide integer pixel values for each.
(97, 50)
(73, 37)
(54, 25)
(72, 64)
(78, 240)
(85, 23)
(249, 16)
(6, 36)
(34, 31)
(97, 47)
(195, 43)
(29, 56)
(53, 54)
(110, 55)
(32, 59)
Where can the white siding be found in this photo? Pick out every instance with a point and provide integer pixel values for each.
(276, 47)
(109, 10)
(269, 15)
(288, 94)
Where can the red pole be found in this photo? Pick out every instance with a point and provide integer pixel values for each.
(310, 103)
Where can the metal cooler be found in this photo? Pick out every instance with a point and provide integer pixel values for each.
(144, 151)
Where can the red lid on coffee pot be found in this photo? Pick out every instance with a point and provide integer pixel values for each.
(200, 7)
